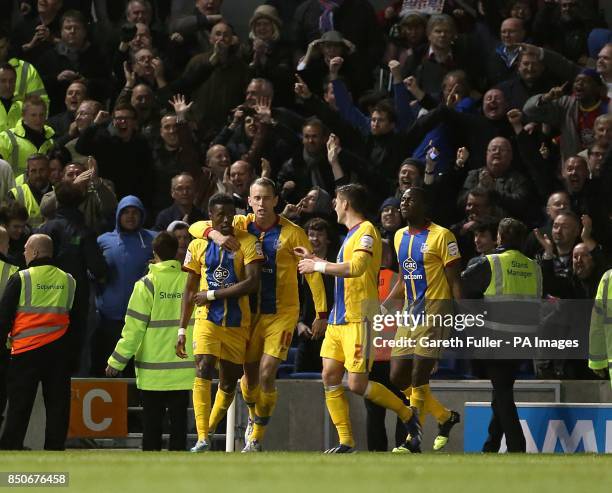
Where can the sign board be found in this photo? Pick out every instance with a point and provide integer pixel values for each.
(548, 427)
(422, 6)
(98, 409)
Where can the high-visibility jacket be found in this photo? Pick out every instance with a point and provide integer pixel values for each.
(150, 331)
(386, 280)
(600, 336)
(514, 293)
(6, 271)
(28, 81)
(8, 119)
(43, 314)
(16, 149)
(23, 194)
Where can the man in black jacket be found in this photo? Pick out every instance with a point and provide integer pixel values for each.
(183, 194)
(309, 167)
(123, 155)
(76, 252)
(473, 131)
(355, 19)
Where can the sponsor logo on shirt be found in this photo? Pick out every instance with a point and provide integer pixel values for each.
(220, 274)
(410, 265)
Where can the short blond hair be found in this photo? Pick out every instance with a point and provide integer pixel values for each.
(33, 100)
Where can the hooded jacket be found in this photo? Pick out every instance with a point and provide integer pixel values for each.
(127, 255)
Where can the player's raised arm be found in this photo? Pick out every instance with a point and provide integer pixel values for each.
(204, 229)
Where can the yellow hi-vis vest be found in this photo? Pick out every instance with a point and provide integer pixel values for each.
(8, 119)
(43, 314)
(150, 331)
(16, 149)
(600, 335)
(23, 194)
(6, 271)
(28, 81)
(514, 293)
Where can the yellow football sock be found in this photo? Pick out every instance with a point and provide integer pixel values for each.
(417, 400)
(263, 411)
(434, 407)
(381, 395)
(250, 396)
(201, 406)
(337, 405)
(223, 400)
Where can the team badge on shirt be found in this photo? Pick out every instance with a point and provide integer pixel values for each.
(258, 249)
(278, 244)
(424, 248)
(187, 258)
(366, 241)
(453, 249)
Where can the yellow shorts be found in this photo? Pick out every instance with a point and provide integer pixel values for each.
(350, 344)
(422, 341)
(271, 334)
(226, 343)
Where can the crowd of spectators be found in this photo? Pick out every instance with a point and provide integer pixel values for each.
(119, 119)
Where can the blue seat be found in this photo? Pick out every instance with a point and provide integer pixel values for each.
(305, 375)
(285, 370)
(451, 369)
(291, 355)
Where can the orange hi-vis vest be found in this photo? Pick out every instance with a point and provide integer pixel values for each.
(43, 314)
(386, 280)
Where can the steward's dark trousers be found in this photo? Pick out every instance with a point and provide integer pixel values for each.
(104, 341)
(49, 366)
(505, 420)
(154, 404)
(4, 364)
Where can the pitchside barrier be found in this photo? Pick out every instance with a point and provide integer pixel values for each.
(100, 412)
(103, 412)
(548, 427)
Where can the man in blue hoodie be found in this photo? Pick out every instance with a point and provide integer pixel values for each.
(127, 251)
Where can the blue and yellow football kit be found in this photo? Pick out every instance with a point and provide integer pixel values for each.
(276, 305)
(222, 326)
(423, 256)
(347, 338)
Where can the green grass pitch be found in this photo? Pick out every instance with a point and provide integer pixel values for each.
(133, 472)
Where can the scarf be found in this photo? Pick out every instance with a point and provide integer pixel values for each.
(326, 21)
